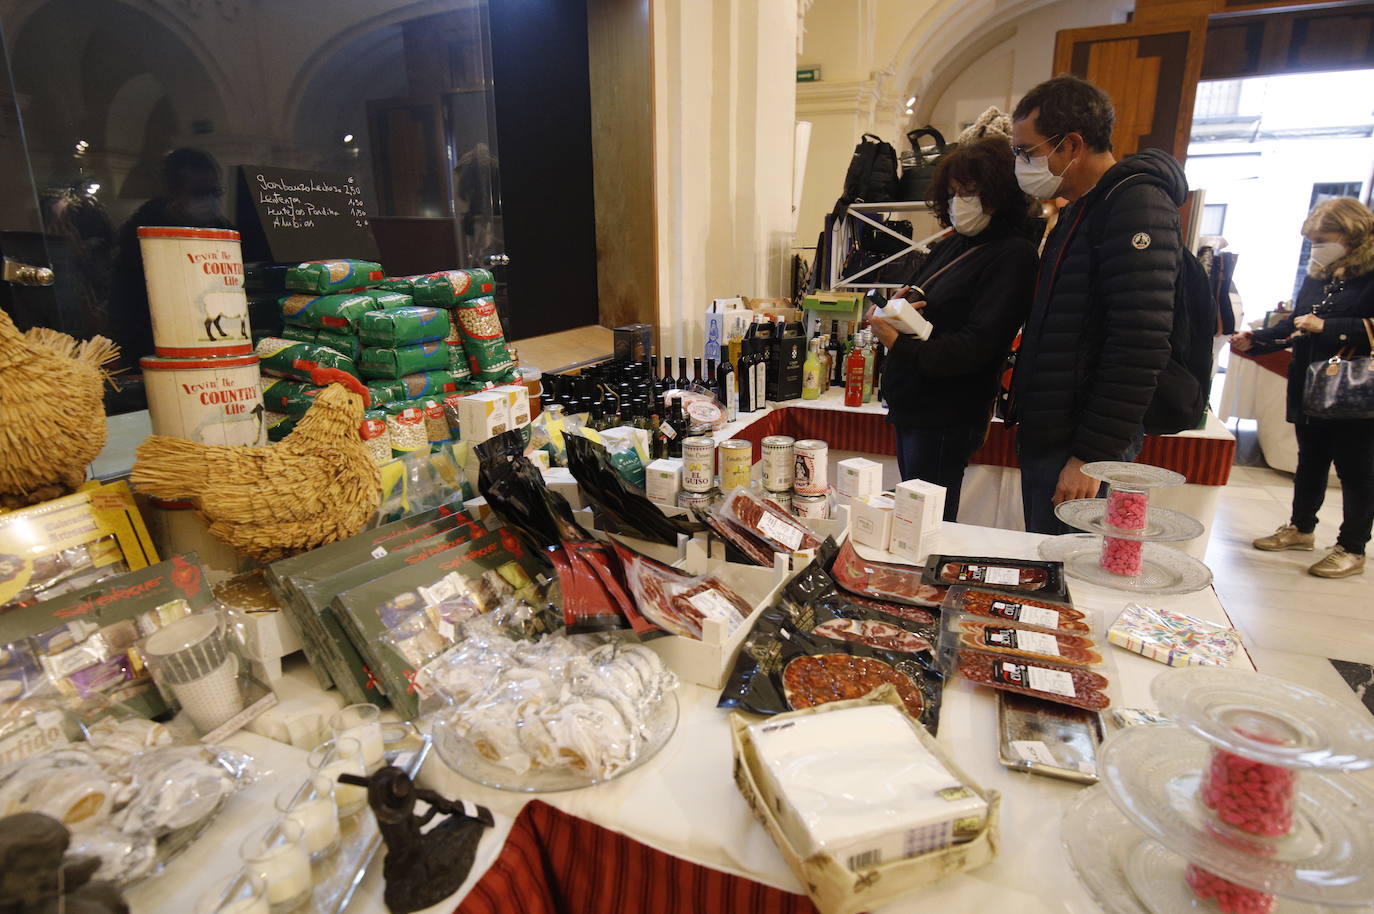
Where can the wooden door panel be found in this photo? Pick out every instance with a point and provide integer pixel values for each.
(1150, 70)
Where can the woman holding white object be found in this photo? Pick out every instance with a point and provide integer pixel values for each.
(977, 287)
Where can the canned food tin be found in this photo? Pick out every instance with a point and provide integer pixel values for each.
(777, 463)
(736, 463)
(698, 463)
(213, 401)
(195, 291)
(781, 499)
(809, 461)
(703, 500)
(814, 507)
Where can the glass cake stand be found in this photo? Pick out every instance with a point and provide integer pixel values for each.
(1120, 548)
(462, 756)
(1244, 807)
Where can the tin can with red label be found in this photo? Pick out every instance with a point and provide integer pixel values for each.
(195, 291)
(213, 401)
(810, 459)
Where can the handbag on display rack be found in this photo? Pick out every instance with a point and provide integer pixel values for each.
(1342, 387)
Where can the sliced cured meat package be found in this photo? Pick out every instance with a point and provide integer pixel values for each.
(679, 603)
(884, 580)
(751, 549)
(779, 530)
(587, 606)
(1022, 641)
(1051, 681)
(1044, 579)
(816, 646)
(1025, 610)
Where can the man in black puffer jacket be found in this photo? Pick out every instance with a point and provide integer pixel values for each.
(1098, 332)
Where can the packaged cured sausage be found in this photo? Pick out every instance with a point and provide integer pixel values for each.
(1016, 640)
(1044, 579)
(822, 609)
(1057, 682)
(1037, 613)
(884, 580)
(785, 664)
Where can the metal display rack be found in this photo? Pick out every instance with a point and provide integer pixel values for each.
(842, 233)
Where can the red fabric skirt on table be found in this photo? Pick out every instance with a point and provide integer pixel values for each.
(554, 863)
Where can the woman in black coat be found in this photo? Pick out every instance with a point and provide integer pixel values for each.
(1334, 313)
(977, 285)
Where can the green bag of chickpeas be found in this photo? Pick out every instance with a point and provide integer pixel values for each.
(325, 312)
(400, 361)
(428, 384)
(403, 326)
(386, 390)
(325, 276)
(291, 398)
(292, 359)
(384, 300)
(347, 343)
(279, 425)
(483, 339)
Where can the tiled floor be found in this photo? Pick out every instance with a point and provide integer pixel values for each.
(1292, 622)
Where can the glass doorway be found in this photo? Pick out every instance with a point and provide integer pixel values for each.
(97, 93)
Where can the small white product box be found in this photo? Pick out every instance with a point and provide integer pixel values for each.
(663, 481)
(871, 520)
(482, 415)
(899, 313)
(726, 318)
(918, 514)
(858, 476)
(920, 501)
(518, 402)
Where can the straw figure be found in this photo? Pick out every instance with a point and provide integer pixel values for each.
(315, 486)
(52, 415)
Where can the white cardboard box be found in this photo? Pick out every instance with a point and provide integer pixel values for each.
(663, 480)
(517, 401)
(725, 318)
(858, 476)
(920, 502)
(483, 415)
(871, 520)
(561, 480)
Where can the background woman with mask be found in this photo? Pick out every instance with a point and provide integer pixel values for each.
(977, 285)
(1333, 306)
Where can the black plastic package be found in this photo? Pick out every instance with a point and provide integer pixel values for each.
(623, 509)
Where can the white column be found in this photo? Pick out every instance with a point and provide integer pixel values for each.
(725, 102)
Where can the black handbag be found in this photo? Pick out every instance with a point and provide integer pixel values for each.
(1342, 387)
(916, 176)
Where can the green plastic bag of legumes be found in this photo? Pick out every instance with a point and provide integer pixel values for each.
(325, 276)
(325, 312)
(483, 339)
(399, 361)
(403, 326)
(291, 359)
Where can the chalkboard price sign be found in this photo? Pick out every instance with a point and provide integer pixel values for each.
(303, 215)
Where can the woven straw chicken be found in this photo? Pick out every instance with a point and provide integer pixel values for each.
(315, 486)
(52, 415)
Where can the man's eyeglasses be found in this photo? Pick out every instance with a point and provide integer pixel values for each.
(1024, 152)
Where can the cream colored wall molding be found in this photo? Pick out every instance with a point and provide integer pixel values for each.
(851, 96)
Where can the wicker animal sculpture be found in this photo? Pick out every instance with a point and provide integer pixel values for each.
(52, 416)
(315, 486)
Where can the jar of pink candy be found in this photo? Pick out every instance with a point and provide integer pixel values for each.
(1124, 529)
(1242, 804)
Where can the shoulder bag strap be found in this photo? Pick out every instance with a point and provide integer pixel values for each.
(932, 277)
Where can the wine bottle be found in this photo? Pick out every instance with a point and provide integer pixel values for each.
(658, 441)
(682, 382)
(726, 390)
(760, 373)
(696, 371)
(744, 388)
(836, 356)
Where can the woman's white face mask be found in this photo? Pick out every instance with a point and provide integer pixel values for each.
(1327, 253)
(1035, 176)
(966, 213)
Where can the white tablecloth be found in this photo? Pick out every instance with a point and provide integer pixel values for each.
(1253, 392)
(684, 801)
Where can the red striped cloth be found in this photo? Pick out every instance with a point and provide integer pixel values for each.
(1277, 362)
(554, 863)
(1202, 461)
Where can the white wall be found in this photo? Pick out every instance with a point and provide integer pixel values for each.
(724, 95)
